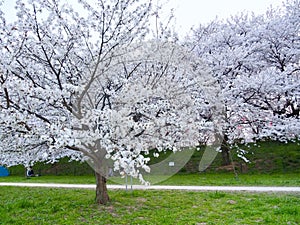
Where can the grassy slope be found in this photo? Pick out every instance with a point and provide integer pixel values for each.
(60, 206)
(264, 157)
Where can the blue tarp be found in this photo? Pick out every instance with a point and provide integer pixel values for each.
(3, 172)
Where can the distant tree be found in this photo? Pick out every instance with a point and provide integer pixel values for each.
(86, 84)
(256, 62)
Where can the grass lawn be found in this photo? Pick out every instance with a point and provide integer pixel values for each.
(21, 205)
(286, 179)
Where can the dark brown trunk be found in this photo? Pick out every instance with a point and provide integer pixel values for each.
(101, 190)
(225, 156)
(225, 152)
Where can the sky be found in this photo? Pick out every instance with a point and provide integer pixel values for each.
(190, 13)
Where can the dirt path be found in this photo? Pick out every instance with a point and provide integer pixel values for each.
(161, 187)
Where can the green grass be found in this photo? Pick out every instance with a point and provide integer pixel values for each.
(271, 156)
(273, 164)
(220, 179)
(72, 206)
(51, 179)
(279, 179)
(265, 157)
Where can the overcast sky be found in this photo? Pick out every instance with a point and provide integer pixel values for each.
(189, 13)
(193, 12)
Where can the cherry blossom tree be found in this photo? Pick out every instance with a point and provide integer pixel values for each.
(87, 84)
(255, 59)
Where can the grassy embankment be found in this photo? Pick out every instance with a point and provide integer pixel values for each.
(265, 158)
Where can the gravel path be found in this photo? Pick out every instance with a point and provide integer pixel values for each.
(161, 187)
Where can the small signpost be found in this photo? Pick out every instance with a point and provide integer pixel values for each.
(171, 164)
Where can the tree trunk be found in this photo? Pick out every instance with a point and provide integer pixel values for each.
(101, 189)
(225, 156)
(225, 151)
